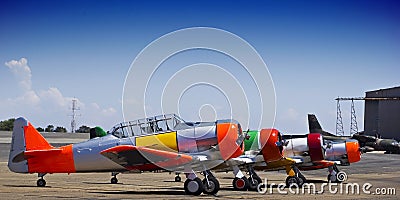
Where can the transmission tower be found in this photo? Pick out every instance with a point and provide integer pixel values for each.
(339, 122)
(353, 123)
(74, 109)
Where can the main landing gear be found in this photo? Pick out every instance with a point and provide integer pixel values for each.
(210, 183)
(335, 175)
(240, 182)
(295, 177)
(194, 186)
(41, 182)
(114, 179)
(254, 179)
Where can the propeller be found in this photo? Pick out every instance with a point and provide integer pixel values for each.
(281, 141)
(242, 137)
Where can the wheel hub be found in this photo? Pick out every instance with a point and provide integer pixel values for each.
(193, 186)
(240, 183)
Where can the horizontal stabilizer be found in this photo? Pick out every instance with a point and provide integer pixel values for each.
(144, 158)
(34, 153)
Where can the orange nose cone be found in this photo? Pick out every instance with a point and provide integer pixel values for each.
(353, 151)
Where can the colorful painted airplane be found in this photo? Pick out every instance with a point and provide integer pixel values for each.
(164, 142)
(269, 150)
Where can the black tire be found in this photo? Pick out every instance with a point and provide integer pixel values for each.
(193, 187)
(302, 179)
(292, 181)
(178, 179)
(254, 182)
(330, 177)
(114, 180)
(41, 182)
(241, 184)
(212, 187)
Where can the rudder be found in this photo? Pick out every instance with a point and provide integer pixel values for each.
(24, 138)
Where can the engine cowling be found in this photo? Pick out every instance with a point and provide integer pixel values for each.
(271, 144)
(315, 146)
(353, 151)
(346, 152)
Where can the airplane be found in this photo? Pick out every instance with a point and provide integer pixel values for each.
(164, 142)
(367, 142)
(268, 150)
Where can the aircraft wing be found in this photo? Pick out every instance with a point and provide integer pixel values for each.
(144, 158)
(320, 164)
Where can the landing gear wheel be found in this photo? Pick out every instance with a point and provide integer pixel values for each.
(41, 182)
(212, 187)
(193, 187)
(114, 180)
(335, 178)
(302, 179)
(240, 183)
(178, 179)
(292, 181)
(254, 182)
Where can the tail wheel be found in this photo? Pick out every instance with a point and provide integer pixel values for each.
(193, 187)
(114, 180)
(41, 182)
(292, 181)
(212, 186)
(178, 179)
(240, 183)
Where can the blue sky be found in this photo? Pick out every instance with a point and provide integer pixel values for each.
(315, 51)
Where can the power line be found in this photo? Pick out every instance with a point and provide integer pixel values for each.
(367, 98)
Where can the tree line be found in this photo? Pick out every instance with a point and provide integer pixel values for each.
(8, 125)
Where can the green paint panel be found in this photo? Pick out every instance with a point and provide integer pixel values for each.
(100, 132)
(248, 144)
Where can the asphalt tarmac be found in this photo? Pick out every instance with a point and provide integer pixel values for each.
(375, 173)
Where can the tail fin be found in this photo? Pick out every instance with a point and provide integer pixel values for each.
(24, 138)
(313, 124)
(315, 127)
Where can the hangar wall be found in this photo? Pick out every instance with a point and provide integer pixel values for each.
(383, 116)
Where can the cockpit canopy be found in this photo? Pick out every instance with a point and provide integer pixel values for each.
(160, 123)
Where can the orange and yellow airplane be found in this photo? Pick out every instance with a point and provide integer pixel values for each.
(164, 142)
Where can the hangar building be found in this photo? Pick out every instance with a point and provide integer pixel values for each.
(382, 116)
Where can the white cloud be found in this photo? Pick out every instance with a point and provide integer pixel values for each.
(22, 72)
(48, 106)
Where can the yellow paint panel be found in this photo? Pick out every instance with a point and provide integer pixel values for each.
(162, 141)
(280, 164)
